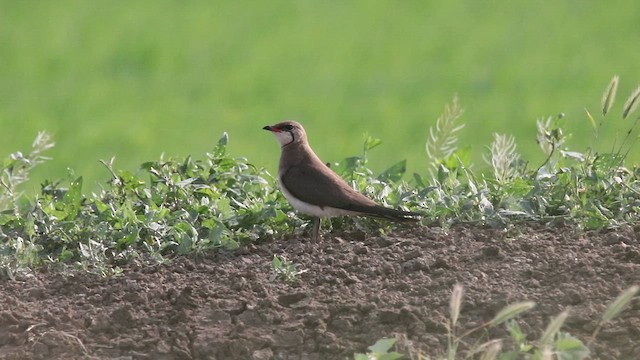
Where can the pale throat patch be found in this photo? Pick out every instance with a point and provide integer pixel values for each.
(284, 137)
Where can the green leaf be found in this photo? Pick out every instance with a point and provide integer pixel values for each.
(221, 148)
(216, 232)
(224, 139)
(594, 220)
(127, 240)
(66, 255)
(148, 165)
(570, 348)
(395, 172)
(73, 199)
(389, 356)
(185, 236)
(129, 180)
(370, 142)
(382, 346)
(464, 155)
(348, 166)
(6, 217)
(516, 332)
(605, 162)
(443, 173)
(420, 182)
(276, 262)
(510, 355)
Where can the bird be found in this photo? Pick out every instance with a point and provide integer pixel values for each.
(314, 189)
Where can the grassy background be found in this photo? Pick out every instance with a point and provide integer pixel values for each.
(136, 79)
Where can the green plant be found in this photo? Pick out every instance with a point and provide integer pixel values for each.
(284, 269)
(18, 254)
(15, 170)
(552, 343)
(177, 206)
(185, 206)
(489, 349)
(588, 188)
(381, 350)
(442, 142)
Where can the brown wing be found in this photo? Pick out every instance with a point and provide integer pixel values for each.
(325, 188)
(322, 188)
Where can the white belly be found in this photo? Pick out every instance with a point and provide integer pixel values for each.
(314, 210)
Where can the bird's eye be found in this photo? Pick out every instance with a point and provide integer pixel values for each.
(288, 127)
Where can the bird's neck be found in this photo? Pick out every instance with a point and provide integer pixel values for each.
(297, 153)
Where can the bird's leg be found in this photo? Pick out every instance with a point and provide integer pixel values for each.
(315, 231)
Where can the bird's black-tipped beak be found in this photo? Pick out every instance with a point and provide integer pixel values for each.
(272, 129)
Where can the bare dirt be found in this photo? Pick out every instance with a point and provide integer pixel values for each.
(358, 289)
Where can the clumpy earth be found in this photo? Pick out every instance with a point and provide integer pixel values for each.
(358, 288)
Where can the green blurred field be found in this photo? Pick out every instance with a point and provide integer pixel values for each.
(141, 78)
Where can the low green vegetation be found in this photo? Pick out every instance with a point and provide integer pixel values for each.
(181, 206)
(552, 343)
(178, 206)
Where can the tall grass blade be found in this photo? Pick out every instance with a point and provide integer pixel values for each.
(442, 141)
(455, 304)
(490, 350)
(616, 307)
(547, 353)
(609, 95)
(631, 104)
(511, 311)
(591, 119)
(553, 328)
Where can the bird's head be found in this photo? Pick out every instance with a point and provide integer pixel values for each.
(288, 132)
